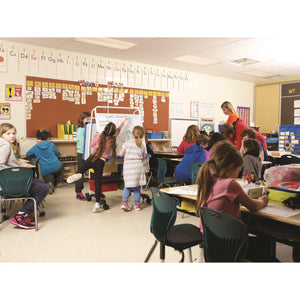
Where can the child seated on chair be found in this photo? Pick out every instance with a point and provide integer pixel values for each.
(38, 189)
(193, 154)
(51, 167)
(219, 190)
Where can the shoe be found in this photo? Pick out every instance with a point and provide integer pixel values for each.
(21, 221)
(125, 206)
(60, 184)
(74, 177)
(50, 187)
(97, 207)
(137, 206)
(30, 218)
(80, 196)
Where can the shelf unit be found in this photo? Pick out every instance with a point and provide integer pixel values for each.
(67, 148)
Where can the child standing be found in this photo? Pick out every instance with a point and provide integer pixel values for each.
(38, 189)
(51, 167)
(104, 145)
(252, 161)
(134, 153)
(83, 119)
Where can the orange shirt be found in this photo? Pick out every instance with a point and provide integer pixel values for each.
(232, 118)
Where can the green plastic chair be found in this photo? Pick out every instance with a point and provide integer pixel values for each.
(161, 173)
(194, 171)
(225, 237)
(15, 183)
(179, 237)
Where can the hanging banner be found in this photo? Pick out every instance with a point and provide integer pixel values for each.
(13, 92)
(5, 111)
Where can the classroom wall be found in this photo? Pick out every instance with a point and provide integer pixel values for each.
(197, 87)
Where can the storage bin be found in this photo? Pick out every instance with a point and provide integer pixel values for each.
(106, 186)
(154, 135)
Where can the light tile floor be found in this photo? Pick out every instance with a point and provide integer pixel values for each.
(70, 232)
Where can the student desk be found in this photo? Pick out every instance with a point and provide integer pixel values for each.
(168, 156)
(275, 222)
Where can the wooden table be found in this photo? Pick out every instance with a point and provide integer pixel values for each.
(168, 157)
(275, 222)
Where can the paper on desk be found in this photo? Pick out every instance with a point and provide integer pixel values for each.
(184, 191)
(281, 211)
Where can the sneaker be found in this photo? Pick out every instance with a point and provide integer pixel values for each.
(97, 207)
(30, 218)
(20, 221)
(80, 196)
(50, 187)
(125, 206)
(137, 206)
(74, 177)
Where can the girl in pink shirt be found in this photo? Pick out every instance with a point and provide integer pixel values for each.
(104, 146)
(217, 185)
(189, 138)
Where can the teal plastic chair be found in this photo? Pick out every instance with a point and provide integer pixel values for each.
(225, 237)
(161, 173)
(194, 171)
(15, 183)
(179, 237)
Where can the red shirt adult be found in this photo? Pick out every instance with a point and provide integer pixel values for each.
(239, 126)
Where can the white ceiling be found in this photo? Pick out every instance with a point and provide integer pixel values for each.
(273, 55)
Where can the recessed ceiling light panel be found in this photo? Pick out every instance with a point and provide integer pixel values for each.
(106, 42)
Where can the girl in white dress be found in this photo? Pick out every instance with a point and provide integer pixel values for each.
(134, 152)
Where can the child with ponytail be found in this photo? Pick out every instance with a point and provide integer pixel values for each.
(134, 152)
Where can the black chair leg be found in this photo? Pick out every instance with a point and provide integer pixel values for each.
(151, 251)
(162, 252)
(181, 256)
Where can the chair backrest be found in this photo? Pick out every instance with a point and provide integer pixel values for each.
(225, 237)
(289, 159)
(15, 182)
(162, 169)
(163, 214)
(194, 171)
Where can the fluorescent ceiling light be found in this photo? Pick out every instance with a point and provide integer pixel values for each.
(191, 59)
(243, 62)
(259, 73)
(106, 42)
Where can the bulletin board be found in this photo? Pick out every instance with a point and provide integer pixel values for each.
(178, 128)
(289, 104)
(55, 107)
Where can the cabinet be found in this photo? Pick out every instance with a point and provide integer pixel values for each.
(160, 144)
(68, 152)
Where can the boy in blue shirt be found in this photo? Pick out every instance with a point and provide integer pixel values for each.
(193, 154)
(51, 167)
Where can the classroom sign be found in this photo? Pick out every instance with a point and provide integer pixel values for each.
(5, 111)
(13, 92)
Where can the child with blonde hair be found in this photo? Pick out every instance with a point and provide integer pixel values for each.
(38, 189)
(134, 152)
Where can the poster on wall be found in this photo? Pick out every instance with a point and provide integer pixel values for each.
(194, 109)
(13, 92)
(5, 111)
(207, 124)
(244, 114)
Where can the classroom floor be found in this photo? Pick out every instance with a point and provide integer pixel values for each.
(70, 232)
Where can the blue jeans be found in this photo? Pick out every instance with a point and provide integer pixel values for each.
(136, 193)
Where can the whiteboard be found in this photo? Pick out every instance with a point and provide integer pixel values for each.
(178, 127)
(101, 121)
